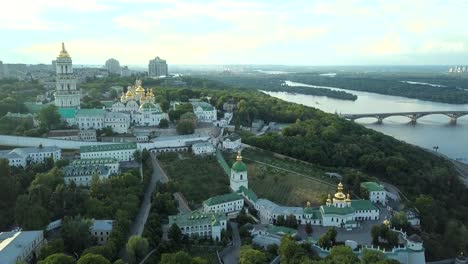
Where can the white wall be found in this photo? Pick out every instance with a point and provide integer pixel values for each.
(18, 141)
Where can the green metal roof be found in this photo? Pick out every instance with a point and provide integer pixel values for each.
(249, 193)
(239, 166)
(108, 147)
(222, 199)
(336, 210)
(315, 212)
(91, 112)
(204, 105)
(196, 218)
(372, 186)
(280, 230)
(148, 106)
(107, 104)
(363, 205)
(67, 113)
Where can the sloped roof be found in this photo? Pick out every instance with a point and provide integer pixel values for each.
(220, 199)
(372, 186)
(108, 147)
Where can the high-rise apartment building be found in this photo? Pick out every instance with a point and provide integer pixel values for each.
(113, 66)
(157, 67)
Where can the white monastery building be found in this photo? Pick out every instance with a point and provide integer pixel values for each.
(377, 193)
(23, 156)
(200, 224)
(120, 151)
(101, 230)
(203, 148)
(17, 246)
(227, 203)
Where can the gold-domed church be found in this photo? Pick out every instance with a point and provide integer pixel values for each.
(139, 103)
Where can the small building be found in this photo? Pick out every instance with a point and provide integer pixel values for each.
(232, 142)
(377, 193)
(16, 246)
(101, 230)
(204, 111)
(200, 224)
(121, 151)
(227, 203)
(73, 134)
(81, 172)
(203, 148)
(23, 156)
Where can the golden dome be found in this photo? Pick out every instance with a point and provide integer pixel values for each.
(139, 89)
(63, 53)
(386, 222)
(239, 156)
(150, 93)
(329, 199)
(129, 94)
(339, 195)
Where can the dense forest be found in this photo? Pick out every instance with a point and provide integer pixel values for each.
(453, 89)
(274, 83)
(430, 182)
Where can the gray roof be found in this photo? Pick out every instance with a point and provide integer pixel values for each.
(12, 244)
(85, 170)
(116, 115)
(23, 152)
(108, 147)
(233, 137)
(102, 225)
(202, 144)
(102, 161)
(286, 210)
(267, 204)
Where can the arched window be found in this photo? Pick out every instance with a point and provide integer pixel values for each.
(241, 177)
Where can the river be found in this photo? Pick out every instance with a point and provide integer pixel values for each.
(429, 131)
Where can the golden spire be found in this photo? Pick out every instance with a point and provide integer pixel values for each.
(239, 156)
(63, 53)
(348, 198)
(339, 195)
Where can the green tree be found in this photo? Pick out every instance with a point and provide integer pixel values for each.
(137, 156)
(7, 194)
(290, 252)
(137, 248)
(58, 258)
(308, 229)
(371, 256)
(76, 234)
(49, 117)
(29, 214)
(248, 255)
(185, 127)
(52, 247)
(92, 259)
(343, 255)
(179, 257)
(174, 234)
(163, 123)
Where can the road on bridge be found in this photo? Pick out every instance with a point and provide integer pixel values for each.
(139, 222)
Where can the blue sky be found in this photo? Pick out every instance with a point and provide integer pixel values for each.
(294, 32)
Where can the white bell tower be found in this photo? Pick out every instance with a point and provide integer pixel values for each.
(66, 94)
(239, 174)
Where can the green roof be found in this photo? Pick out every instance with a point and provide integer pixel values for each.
(336, 210)
(315, 212)
(363, 205)
(108, 147)
(280, 230)
(239, 166)
(94, 161)
(196, 218)
(248, 193)
(372, 186)
(222, 199)
(34, 107)
(204, 105)
(148, 106)
(107, 104)
(91, 112)
(66, 113)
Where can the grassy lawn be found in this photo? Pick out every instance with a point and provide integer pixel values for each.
(199, 178)
(283, 187)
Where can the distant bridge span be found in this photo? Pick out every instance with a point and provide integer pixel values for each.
(413, 116)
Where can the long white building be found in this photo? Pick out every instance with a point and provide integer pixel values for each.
(227, 203)
(19, 246)
(82, 171)
(200, 224)
(23, 156)
(121, 152)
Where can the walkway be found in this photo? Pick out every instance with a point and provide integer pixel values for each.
(230, 255)
(182, 203)
(139, 222)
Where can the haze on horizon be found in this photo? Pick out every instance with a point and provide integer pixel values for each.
(296, 32)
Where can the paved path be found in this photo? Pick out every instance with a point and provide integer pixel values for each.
(275, 260)
(230, 255)
(182, 203)
(139, 222)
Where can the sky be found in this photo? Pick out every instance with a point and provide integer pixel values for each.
(292, 32)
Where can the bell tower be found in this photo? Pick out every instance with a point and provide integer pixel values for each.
(239, 174)
(66, 93)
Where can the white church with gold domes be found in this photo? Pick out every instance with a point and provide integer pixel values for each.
(139, 104)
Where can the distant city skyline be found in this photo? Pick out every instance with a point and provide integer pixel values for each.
(296, 32)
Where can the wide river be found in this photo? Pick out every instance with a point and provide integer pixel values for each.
(429, 131)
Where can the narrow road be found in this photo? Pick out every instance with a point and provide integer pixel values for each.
(139, 222)
(230, 255)
(182, 203)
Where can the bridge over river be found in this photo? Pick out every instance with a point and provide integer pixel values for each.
(413, 116)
